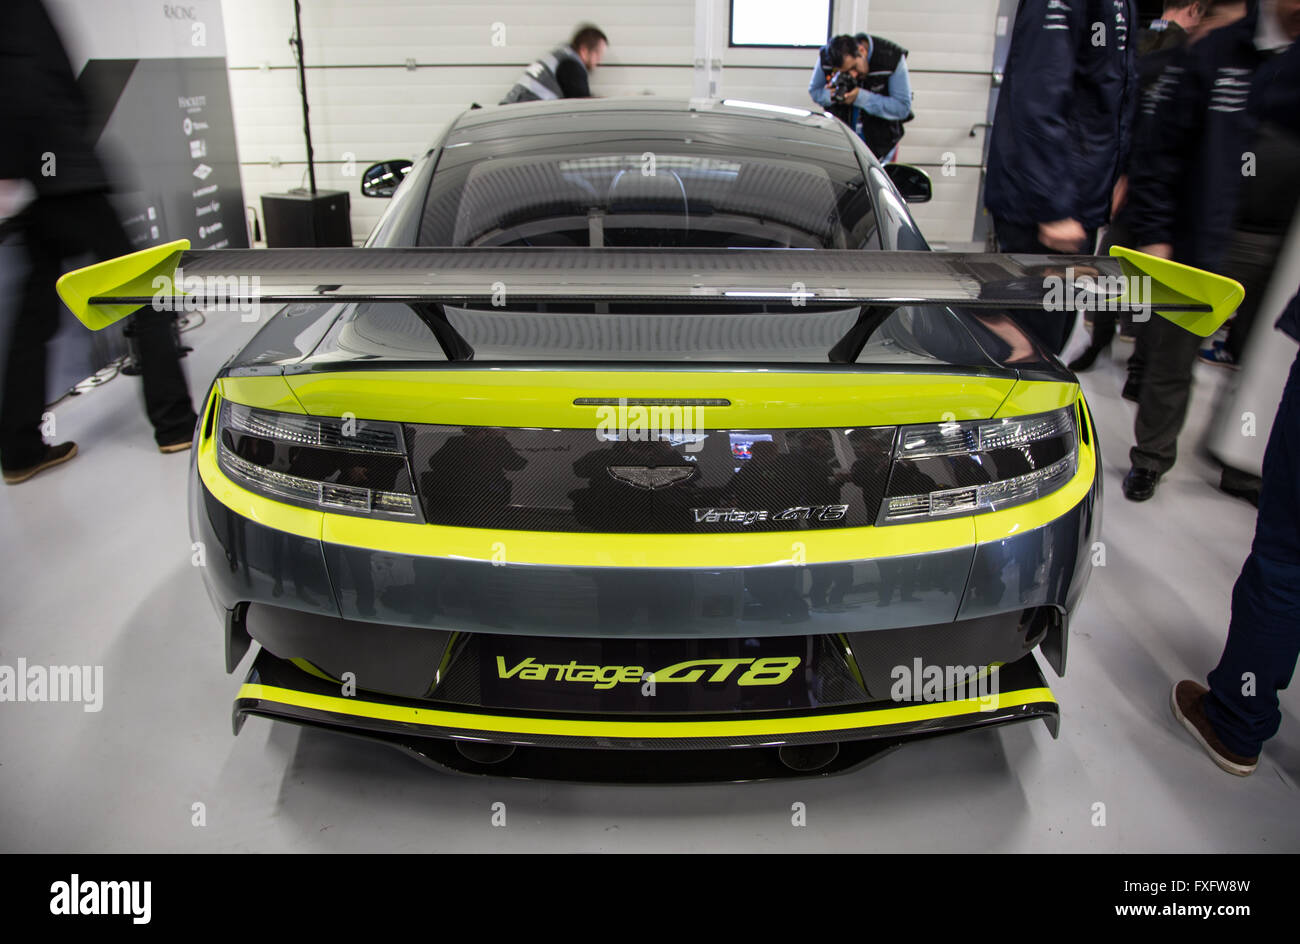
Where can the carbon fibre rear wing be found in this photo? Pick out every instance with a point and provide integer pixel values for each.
(172, 275)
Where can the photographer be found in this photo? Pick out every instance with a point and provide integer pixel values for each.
(862, 80)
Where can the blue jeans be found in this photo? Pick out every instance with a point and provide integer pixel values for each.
(1264, 633)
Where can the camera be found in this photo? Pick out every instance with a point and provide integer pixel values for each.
(842, 82)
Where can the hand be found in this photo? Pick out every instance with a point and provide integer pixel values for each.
(1163, 250)
(851, 96)
(1119, 194)
(1062, 235)
(14, 195)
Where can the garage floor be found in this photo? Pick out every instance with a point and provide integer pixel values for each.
(96, 570)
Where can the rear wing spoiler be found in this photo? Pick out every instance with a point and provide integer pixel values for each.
(172, 276)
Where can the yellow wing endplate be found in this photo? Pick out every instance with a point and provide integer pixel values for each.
(1162, 281)
(132, 275)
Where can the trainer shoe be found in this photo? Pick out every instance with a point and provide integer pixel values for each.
(54, 455)
(1187, 699)
(1218, 355)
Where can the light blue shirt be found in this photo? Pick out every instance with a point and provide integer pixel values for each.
(894, 106)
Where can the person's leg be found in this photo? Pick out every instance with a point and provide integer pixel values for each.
(1103, 332)
(35, 320)
(1250, 259)
(1166, 389)
(1263, 642)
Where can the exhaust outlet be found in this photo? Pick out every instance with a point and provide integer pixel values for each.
(484, 753)
(806, 758)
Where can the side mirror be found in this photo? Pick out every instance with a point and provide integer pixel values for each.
(381, 180)
(913, 183)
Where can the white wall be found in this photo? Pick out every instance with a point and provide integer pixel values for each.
(367, 103)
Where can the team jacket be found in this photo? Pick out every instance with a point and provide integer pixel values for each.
(539, 81)
(1061, 132)
(1193, 145)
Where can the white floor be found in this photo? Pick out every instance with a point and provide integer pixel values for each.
(96, 570)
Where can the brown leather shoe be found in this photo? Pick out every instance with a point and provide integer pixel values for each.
(54, 455)
(1188, 702)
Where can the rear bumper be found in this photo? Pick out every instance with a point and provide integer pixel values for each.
(254, 563)
(279, 690)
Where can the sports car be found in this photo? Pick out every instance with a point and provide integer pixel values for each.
(645, 440)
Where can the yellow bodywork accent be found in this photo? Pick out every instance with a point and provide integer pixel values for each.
(267, 393)
(544, 398)
(573, 549)
(1178, 284)
(751, 727)
(132, 274)
(582, 550)
(1037, 396)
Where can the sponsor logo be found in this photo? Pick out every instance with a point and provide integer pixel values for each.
(206, 231)
(769, 671)
(196, 101)
(204, 191)
(651, 477)
(744, 516)
(198, 148)
(213, 207)
(203, 171)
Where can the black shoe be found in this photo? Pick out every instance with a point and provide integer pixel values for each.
(54, 455)
(1132, 388)
(1140, 484)
(1240, 484)
(1086, 359)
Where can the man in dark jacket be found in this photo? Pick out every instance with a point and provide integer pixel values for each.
(1188, 174)
(1155, 48)
(45, 148)
(564, 71)
(1060, 135)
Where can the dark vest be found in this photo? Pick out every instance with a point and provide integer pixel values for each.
(882, 134)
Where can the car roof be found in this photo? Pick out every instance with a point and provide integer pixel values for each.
(652, 111)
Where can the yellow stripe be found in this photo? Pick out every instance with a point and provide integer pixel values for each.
(544, 398)
(569, 549)
(427, 717)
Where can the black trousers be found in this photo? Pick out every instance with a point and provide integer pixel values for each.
(56, 229)
(1051, 328)
(1170, 356)
(1105, 323)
